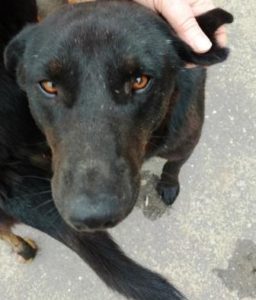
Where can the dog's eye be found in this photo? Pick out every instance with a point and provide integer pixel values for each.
(49, 87)
(140, 82)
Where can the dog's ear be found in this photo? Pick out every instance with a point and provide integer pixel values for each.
(209, 22)
(13, 54)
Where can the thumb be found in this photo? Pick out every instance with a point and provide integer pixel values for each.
(181, 17)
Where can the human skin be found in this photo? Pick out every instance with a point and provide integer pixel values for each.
(181, 16)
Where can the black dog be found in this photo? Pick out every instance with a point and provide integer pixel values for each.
(107, 86)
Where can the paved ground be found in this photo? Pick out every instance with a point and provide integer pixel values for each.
(206, 244)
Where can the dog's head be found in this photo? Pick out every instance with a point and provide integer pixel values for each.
(99, 78)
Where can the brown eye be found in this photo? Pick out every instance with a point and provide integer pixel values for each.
(140, 82)
(49, 87)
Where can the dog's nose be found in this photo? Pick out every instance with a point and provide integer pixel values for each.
(102, 213)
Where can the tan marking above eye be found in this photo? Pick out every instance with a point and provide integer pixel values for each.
(49, 87)
(140, 82)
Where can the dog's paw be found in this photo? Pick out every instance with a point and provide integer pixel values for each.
(26, 250)
(167, 192)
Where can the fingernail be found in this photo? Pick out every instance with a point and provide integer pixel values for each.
(201, 44)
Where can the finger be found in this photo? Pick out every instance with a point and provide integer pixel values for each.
(221, 36)
(148, 3)
(200, 7)
(181, 16)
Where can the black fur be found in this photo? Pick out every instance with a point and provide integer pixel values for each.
(99, 132)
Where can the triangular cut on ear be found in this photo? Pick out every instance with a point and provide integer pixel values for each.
(209, 22)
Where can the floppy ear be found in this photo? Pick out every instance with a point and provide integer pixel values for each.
(209, 22)
(13, 54)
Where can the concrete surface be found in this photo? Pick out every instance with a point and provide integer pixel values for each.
(205, 244)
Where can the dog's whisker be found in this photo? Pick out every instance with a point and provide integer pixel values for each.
(37, 177)
(36, 144)
(54, 217)
(21, 188)
(41, 193)
(42, 204)
(37, 193)
(51, 210)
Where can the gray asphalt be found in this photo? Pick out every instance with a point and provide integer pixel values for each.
(205, 244)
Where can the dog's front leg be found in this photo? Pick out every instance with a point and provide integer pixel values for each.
(25, 248)
(168, 186)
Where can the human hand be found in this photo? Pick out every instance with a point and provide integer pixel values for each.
(181, 15)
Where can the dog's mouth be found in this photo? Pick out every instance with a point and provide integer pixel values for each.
(85, 228)
(95, 219)
(94, 226)
(98, 208)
